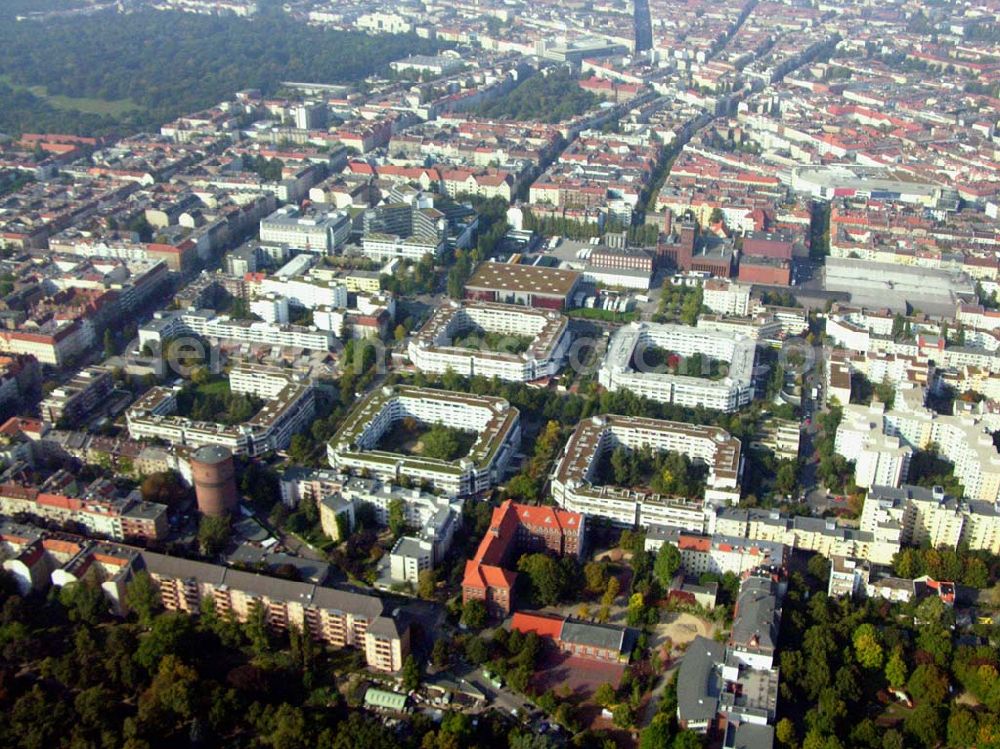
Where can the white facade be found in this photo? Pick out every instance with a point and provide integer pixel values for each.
(383, 247)
(919, 516)
(959, 439)
(572, 478)
(409, 557)
(725, 297)
(430, 349)
(206, 323)
(306, 292)
(289, 409)
(355, 446)
(878, 458)
(271, 309)
(622, 366)
(322, 233)
(330, 320)
(717, 554)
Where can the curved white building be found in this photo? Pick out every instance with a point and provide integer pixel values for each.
(572, 479)
(730, 393)
(355, 445)
(431, 349)
(290, 408)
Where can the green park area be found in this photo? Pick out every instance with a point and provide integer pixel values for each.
(655, 358)
(411, 437)
(85, 104)
(481, 340)
(554, 97)
(213, 400)
(663, 472)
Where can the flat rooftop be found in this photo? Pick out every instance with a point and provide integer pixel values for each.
(528, 279)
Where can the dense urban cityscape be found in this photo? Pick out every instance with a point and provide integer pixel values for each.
(499, 374)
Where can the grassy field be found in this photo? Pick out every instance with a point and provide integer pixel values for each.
(82, 104)
(215, 387)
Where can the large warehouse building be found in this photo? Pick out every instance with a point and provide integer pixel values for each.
(527, 285)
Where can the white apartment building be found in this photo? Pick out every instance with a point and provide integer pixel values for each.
(848, 577)
(717, 554)
(289, 409)
(927, 516)
(860, 331)
(435, 518)
(354, 448)
(653, 509)
(323, 233)
(726, 297)
(981, 381)
(897, 369)
(975, 316)
(572, 478)
(306, 292)
(382, 247)
(623, 365)
(431, 349)
(53, 343)
(961, 440)
(878, 458)
(330, 320)
(409, 557)
(171, 324)
(306, 485)
(761, 326)
(271, 309)
(379, 22)
(822, 535)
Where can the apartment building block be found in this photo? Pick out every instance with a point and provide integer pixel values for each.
(624, 365)
(432, 348)
(572, 479)
(355, 446)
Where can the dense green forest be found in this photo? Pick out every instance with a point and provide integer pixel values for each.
(543, 98)
(840, 659)
(73, 676)
(154, 66)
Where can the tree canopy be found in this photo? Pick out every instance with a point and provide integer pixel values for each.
(551, 97)
(173, 63)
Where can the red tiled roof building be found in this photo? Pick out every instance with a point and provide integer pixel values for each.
(516, 528)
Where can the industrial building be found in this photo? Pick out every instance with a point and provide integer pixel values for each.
(214, 477)
(527, 285)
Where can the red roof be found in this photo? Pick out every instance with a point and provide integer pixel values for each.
(541, 624)
(17, 424)
(60, 501)
(484, 576)
(485, 569)
(59, 546)
(546, 516)
(695, 543)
